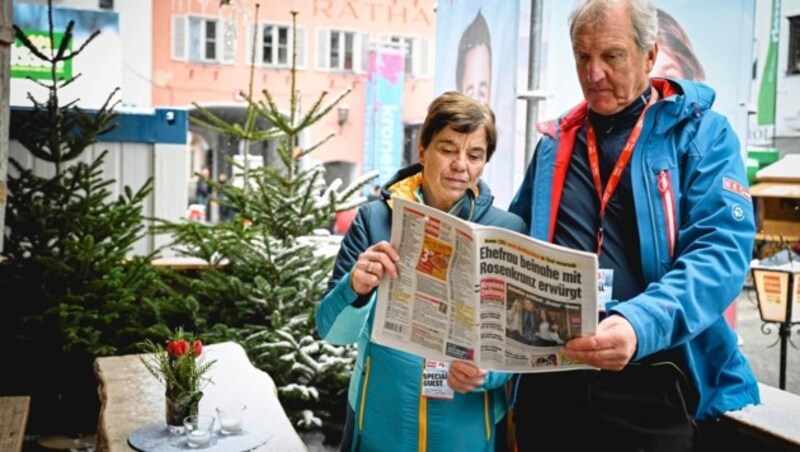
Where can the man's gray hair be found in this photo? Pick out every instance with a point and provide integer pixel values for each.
(644, 17)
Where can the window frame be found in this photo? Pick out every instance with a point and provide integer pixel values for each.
(793, 54)
(222, 53)
(301, 50)
(420, 68)
(360, 40)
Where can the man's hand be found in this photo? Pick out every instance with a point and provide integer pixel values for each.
(610, 348)
(464, 377)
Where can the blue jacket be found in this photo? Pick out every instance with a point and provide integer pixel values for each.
(696, 232)
(386, 387)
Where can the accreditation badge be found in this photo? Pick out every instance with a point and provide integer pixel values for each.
(605, 284)
(434, 380)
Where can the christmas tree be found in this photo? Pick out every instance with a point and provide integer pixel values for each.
(267, 266)
(79, 294)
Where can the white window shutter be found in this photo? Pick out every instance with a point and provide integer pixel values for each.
(362, 52)
(248, 52)
(300, 45)
(178, 38)
(229, 41)
(323, 51)
(425, 56)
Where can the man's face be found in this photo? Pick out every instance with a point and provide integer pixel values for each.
(611, 69)
(477, 79)
(452, 162)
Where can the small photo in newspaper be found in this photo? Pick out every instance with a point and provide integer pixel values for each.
(539, 322)
(434, 258)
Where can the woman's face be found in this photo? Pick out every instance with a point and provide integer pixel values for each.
(666, 65)
(451, 164)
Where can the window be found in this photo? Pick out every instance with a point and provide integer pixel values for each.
(339, 50)
(417, 54)
(274, 46)
(203, 39)
(794, 45)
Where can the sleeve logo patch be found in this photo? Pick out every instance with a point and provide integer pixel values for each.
(735, 187)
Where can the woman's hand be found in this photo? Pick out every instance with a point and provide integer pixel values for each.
(371, 265)
(464, 377)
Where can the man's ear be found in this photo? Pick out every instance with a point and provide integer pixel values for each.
(651, 57)
(421, 154)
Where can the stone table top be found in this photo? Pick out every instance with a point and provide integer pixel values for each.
(131, 398)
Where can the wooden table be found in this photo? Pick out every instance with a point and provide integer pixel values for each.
(13, 417)
(131, 398)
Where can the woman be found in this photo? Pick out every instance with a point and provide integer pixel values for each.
(514, 319)
(676, 57)
(388, 408)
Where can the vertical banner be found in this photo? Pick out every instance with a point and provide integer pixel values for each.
(383, 121)
(100, 62)
(762, 125)
(476, 54)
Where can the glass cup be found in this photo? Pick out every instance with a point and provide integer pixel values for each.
(199, 430)
(230, 418)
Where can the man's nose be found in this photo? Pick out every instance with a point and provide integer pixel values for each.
(595, 71)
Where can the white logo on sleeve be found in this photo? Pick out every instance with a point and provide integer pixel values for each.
(738, 212)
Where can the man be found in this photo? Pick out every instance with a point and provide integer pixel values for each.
(645, 174)
(474, 65)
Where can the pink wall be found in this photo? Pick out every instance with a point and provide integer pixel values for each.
(179, 83)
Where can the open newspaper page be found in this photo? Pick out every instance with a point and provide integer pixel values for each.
(499, 299)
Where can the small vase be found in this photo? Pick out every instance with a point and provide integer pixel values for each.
(178, 408)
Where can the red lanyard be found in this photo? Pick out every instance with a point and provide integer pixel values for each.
(624, 157)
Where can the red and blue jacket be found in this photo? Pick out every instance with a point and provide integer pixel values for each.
(696, 231)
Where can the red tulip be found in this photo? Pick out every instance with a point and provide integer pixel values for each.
(178, 348)
(197, 348)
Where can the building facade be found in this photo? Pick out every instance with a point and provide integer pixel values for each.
(202, 53)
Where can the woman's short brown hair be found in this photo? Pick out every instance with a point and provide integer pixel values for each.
(462, 114)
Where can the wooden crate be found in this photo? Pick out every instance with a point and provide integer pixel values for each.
(778, 209)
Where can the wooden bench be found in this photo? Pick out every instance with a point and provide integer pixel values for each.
(13, 417)
(772, 425)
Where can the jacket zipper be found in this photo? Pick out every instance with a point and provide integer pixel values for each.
(664, 185)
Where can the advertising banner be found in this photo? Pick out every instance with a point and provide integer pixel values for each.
(383, 121)
(476, 54)
(722, 59)
(99, 62)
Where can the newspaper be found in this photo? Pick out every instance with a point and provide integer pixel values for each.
(494, 297)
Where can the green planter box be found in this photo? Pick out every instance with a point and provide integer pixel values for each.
(764, 156)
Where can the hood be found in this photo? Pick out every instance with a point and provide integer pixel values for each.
(408, 179)
(680, 100)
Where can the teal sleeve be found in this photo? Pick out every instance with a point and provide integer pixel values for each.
(338, 321)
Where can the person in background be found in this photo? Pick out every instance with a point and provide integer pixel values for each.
(375, 194)
(645, 174)
(474, 64)
(202, 190)
(676, 57)
(390, 406)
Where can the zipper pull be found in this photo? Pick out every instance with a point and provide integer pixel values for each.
(663, 181)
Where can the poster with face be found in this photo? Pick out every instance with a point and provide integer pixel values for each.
(721, 59)
(476, 55)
